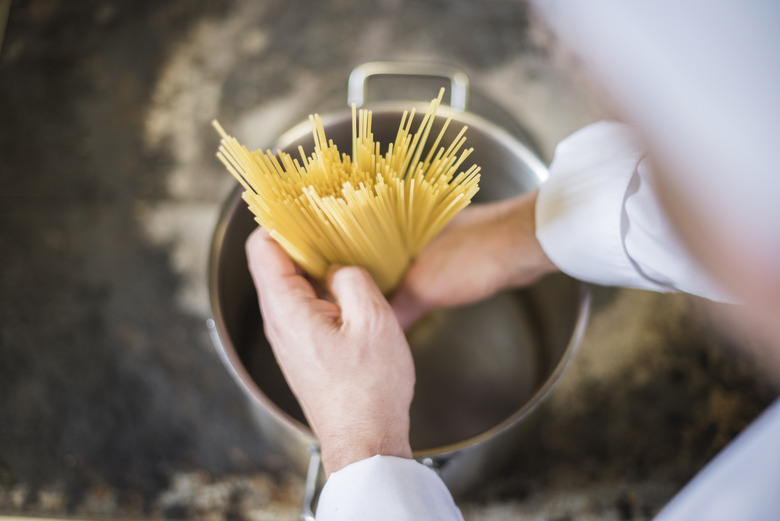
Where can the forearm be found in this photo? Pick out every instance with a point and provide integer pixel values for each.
(521, 257)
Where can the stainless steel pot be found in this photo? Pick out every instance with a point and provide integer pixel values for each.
(481, 369)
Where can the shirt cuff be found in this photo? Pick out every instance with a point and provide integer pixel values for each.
(386, 488)
(579, 209)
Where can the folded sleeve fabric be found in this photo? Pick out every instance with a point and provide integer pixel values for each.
(599, 218)
(386, 488)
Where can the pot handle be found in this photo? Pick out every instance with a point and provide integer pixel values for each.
(459, 81)
(310, 485)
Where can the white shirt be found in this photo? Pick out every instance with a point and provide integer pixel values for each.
(598, 219)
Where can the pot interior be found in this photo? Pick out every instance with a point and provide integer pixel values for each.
(480, 367)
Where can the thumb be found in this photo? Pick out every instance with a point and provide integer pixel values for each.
(355, 291)
(280, 288)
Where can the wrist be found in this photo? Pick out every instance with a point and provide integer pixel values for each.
(340, 451)
(522, 255)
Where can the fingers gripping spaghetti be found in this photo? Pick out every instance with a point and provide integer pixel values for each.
(368, 209)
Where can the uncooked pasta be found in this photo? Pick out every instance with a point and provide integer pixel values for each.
(368, 209)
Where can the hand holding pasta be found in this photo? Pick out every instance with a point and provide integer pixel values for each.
(487, 248)
(368, 209)
(347, 362)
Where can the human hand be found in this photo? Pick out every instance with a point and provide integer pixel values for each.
(348, 362)
(486, 248)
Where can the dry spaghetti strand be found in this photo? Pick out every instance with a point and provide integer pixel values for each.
(366, 209)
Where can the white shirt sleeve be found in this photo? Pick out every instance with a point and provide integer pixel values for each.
(386, 488)
(599, 219)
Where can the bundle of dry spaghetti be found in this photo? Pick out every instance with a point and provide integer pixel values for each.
(371, 210)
